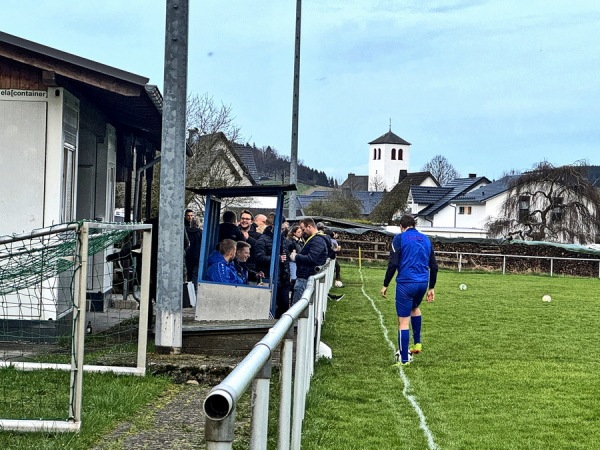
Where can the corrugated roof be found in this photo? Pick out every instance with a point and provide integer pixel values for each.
(389, 138)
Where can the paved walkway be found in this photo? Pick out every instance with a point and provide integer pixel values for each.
(176, 422)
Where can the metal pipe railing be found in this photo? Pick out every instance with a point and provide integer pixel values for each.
(221, 402)
(551, 259)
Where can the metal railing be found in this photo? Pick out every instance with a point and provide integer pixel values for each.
(220, 404)
(551, 259)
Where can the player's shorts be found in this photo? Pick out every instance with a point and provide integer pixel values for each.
(409, 296)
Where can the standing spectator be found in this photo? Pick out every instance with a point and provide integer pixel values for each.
(295, 244)
(260, 222)
(228, 229)
(250, 236)
(312, 256)
(220, 264)
(413, 257)
(335, 248)
(264, 249)
(192, 254)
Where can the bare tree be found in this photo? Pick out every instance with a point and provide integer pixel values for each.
(441, 169)
(340, 204)
(206, 117)
(213, 165)
(378, 184)
(209, 167)
(555, 204)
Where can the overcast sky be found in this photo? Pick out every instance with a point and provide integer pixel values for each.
(491, 85)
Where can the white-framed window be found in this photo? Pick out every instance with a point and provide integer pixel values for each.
(464, 210)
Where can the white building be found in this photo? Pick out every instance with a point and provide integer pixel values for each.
(388, 155)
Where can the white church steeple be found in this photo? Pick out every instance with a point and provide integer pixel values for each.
(388, 155)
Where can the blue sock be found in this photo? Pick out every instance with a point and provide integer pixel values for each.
(403, 340)
(415, 322)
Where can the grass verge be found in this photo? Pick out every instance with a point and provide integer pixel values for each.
(500, 368)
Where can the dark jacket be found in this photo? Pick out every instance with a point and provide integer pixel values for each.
(313, 254)
(192, 254)
(245, 273)
(230, 231)
(264, 248)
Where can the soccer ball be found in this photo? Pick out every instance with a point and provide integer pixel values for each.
(462, 287)
(546, 298)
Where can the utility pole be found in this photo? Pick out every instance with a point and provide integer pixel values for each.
(169, 313)
(294, 152)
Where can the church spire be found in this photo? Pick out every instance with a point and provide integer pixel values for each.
(390, 124)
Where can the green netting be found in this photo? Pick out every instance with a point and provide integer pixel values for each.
(27, 261)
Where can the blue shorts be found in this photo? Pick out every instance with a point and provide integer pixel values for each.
(409, 296)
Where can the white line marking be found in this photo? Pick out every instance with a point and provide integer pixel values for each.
(407, 387)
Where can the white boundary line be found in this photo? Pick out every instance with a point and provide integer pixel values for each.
(407, 387)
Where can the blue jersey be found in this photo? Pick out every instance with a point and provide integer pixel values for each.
(413, 257)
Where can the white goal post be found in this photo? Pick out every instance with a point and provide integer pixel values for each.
(77, 366)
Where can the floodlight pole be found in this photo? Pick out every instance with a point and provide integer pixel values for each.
(295, 102)
(169, 314)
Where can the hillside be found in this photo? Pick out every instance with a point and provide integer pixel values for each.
(273, 167)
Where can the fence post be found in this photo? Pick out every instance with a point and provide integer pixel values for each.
(459, 262)
(285, 400)
(219, 433)
(551, 266)
(504, 265)
(79, 327)
(260, 408)
(300, 378)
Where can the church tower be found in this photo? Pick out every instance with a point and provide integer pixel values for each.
(388, 155)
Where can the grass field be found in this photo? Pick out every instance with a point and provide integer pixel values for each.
(500, 369)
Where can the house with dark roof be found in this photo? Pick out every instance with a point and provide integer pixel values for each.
(368, 199)
(434, 206)
(397, 201)
(356, 183)
(218, 163)
(246, 155)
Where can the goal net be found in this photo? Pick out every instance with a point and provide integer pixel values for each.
(65, 289)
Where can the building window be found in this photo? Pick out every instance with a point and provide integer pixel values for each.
(378, 153)
(464, 210)
(374, 153)
(400, 155)
(524, 202)
(393, 153)
(557, 210)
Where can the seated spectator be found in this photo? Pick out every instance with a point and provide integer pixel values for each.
(220, 264)
(240, 262)
(229, 228)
